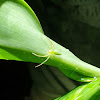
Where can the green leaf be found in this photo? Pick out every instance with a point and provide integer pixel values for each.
(21, 35)
(88, 91)
(17, 21)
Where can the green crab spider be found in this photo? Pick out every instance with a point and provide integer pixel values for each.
(51, 52)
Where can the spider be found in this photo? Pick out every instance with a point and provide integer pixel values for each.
(51, 52)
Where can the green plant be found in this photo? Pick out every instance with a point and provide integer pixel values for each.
(22, 39)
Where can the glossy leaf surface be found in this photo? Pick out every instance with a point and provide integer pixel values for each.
(88, 91)
(21, 34)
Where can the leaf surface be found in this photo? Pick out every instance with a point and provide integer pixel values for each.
(21, 34)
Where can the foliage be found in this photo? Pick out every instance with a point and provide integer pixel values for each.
(21, 35)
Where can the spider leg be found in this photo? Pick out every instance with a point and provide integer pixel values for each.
(52, 46)
(43, 61)
(39, 55)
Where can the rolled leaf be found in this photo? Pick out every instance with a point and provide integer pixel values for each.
(21, 35)
(88, 91)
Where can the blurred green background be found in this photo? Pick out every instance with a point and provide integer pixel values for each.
(75, 24)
